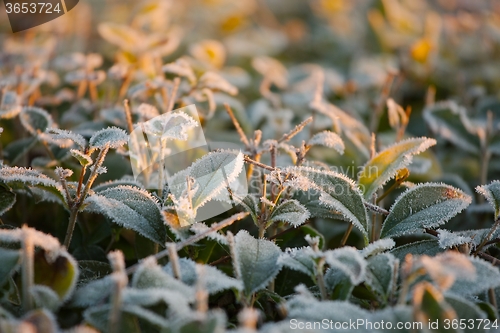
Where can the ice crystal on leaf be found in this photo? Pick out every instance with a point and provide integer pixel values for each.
(328, 139)
(492, 193)
(60, 137)
(385, 165)
(114, 136)
(424, 206)
(290, 211)
(35, 120)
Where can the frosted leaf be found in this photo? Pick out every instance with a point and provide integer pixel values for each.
(213, 173)
(349, 261)
(178, 304)
(83, 158)
(125, 181)
(17, 178)
(301, 260)
(123, 36)
(290, 211)
(10, 105)
(214, 81)
(132, 208)
(59, 136)
(451, 122)
(214, 280)
(310, 309)
(396, 113)
(386, 164)
(251, 204)
(466, 310)
(151, 276)
(380, 274)
(377, 247)
(181, 67)
(486, 277)
(337, 192)
(492, 193)
(328, 139)
(7, 199)
(114, 136)
(35, 120)
(344, 124)
(200, 228)
(423, 206)
(446, 267)
(256, 260)
(173, 125)
(147, 111)
(429, 247)
(93, 292)
(448, 239)
(45, 297)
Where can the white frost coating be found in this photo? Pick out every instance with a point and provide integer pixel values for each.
(448, 239)
(84, 159)
(199, 228)
(214, 81)
(257, 261)
(214, 280)
(267, 202)
(447, 267)
(426, 205)
(492, 193)
(56, 134)
(10, 105)
(350, 261)
(440, 126)
(132, 208)
(290, 211)
(380, 274)
(47, 242)
(147, 111)
(328, 139)
(114, 136)
(34, 119)
(377, 247)
(486, 277)
(299, 259)
(387, 163)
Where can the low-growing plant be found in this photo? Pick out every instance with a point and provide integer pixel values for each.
(326, 220)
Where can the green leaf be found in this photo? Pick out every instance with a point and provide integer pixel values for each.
(114, 136)
(492, 193)
(487, 276)
(385, 165)
(337, 192)
(83, 158)
(10, 105)
(7, 199)
(380, 274)
(299, 259)
(348, 260)
(429, 247)
(60, 274)
(35, 120)
(424, 206)
(289, 211)
(429, 305)
(466, 310)
(91, 270)
(98, 317)
(21, 178)
(9, 260)
(17, 149)
(328, 139)
(45, 297)
(451, 122)
(395, 315)
(131, 208)
(256, 261)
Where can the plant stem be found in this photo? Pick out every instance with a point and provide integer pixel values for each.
(346, 235)
(488, 236)
(174, 260)
(243, 137)
(128, 116)
(28, 251)
(321, 279)
(71, 226)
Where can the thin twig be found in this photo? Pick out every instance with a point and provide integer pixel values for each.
(236, 124)
(288, 136)
(171, 101)
(260, 165)
(487, 238)
(376, 209)
(346, 235)
(128, 115)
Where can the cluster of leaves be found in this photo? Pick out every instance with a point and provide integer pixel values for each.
(85, 247)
